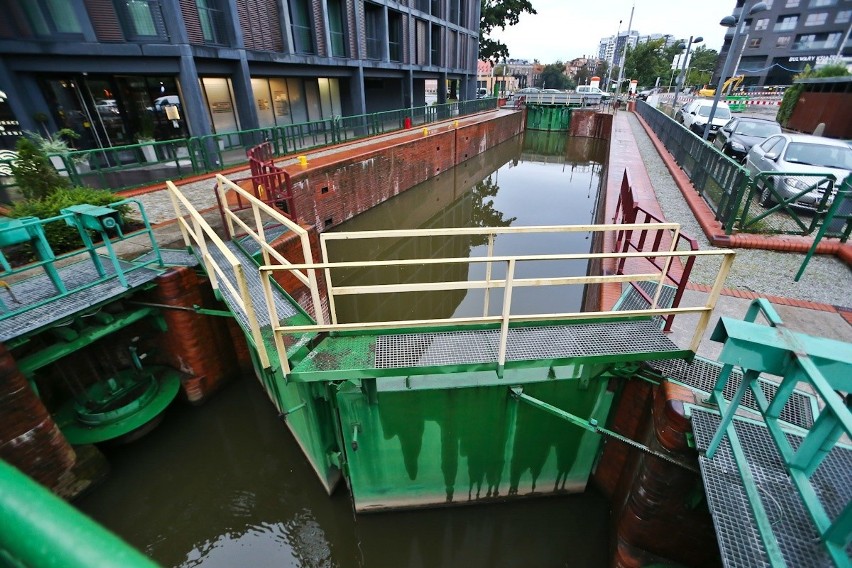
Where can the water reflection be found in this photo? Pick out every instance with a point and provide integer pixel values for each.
(226, 485)
(540, 179)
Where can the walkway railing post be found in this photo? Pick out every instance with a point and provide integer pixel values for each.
(329, 286)
(280, 348)
(712, 298)
(507, 310)
(488, 268)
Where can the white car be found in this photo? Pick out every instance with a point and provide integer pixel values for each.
(695, 114)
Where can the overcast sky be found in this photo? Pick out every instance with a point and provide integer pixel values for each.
(565, 29)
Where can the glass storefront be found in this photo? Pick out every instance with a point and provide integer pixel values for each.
(292, 101)
(219, 97)
(115, 110)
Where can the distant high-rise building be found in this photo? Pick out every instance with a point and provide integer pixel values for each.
(609, 44)
(776, 44)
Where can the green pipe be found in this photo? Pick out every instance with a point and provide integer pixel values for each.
(40, 530)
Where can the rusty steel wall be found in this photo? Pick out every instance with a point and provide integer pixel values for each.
(834, 109)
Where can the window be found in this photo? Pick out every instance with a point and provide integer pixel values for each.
(843, 17)
(394, 35)
(373, 27)
(141, 19)
(786, 23)
(754, 42)
(212, 22)
(806, 42)
(821, 3)
(302, 26)
(816, 19)
(51, 17)
(783, 41)
(761, 24)
(435, 43)
(335, 27)
(792, 4)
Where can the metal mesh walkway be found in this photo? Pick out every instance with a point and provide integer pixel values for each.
(702, 375)
(39, 288)
(465, 350)
(739, 540)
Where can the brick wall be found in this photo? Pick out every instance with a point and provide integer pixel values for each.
(328, 195)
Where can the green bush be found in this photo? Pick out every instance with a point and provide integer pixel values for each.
(61, 237)
(34, 175)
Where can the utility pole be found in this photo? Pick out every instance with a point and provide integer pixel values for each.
(624, 55)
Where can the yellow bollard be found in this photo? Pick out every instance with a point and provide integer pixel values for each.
(303, 161)
(455, 124)
(425, 132)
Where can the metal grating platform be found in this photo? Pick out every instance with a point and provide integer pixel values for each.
(33, 290)
(739, 540)
(171, 257)
(270, 231)
(255, 288)
(702, 374)
(634, 301)
(524, 344)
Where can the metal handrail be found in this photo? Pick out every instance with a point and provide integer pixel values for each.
(198, 233)
(507, 284)
(259, 207)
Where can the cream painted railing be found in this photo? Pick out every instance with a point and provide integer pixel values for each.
(508, 284)
(198, 232)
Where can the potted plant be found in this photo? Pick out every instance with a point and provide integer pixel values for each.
(54, 144)
(146, 137)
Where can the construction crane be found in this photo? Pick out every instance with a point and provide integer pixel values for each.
(734, 83)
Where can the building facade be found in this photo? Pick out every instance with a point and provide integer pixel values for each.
(777, 44)
(117, 71)
(612, 48)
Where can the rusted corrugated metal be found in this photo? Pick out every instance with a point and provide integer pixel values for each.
(834, 109)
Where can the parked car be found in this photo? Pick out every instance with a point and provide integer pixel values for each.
(644, 94)
(799, 153)
(737, 137)
(551, 91)
(695, 114)
(528, 91)
(481, 93)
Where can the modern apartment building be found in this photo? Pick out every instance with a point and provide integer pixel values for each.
(616, 44)
(119, 70)
(776, 44)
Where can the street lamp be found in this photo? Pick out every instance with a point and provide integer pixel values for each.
(682, 77)
(729, 22)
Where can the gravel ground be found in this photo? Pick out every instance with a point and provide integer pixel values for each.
(826, 280)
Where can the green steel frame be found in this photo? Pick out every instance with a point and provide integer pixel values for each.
(41, 530)
(826, 367)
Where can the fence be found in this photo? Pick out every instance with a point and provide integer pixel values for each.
(733, 194)
(122, 167)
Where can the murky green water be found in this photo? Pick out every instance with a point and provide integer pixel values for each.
(225, 484)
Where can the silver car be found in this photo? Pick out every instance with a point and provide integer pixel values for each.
(799, 154)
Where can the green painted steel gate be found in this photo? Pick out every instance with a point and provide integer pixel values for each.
(548, 117)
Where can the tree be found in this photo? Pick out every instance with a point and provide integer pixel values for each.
(553, 76)
(701, 65)
(499, 14)
(646, 62)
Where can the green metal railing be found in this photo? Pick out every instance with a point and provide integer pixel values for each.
(41, 530)
(732, 193)
(826, 367)
(717, 178)
(133, 165)
(86, 218)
